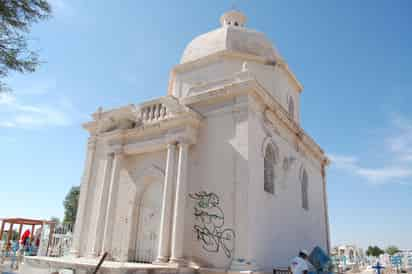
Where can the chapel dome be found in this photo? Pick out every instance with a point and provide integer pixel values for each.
(231, 36)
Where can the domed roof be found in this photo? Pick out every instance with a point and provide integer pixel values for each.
(232, 36)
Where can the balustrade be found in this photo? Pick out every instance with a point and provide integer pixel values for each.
(153, 113)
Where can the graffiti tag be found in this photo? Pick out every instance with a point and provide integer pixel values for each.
(210, 219)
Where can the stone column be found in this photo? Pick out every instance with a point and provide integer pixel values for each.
(101, 207)
(112, 202)
(167, 202)
(240, 187)
(2, 229)
(179, 207)
(325, 205)
(81, 209)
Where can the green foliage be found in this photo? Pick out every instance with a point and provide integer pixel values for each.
(374, 251)
(392, 250)
(70, 204)
(55, 219)
(16, 18)
(14, 235)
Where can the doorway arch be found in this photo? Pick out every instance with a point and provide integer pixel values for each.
(150, 205)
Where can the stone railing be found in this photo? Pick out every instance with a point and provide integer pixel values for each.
(60, 241)
(153, 112)
(134, 116)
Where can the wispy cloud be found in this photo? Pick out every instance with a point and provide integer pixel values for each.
(15, 113)
(397, 149)
(385, 174)
(382, 174)
(40, 87)
(400, 142)
(344, 161)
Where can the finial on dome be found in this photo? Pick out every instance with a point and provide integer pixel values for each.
(233, 18)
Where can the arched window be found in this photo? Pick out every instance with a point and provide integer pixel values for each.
(269, 169)
(291, 108)
(304, 184)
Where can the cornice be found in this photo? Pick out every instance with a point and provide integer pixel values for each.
(292, 77)
(276, 109)
(137, 122)
(280, 63)
(151, 129)
(237, 85)
(245, 83)
(182, 114)
(91, 127)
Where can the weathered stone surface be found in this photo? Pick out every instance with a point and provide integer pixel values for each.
(206, 140)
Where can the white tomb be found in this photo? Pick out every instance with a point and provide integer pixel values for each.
(216, 173)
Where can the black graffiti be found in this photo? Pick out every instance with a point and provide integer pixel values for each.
(209, 228)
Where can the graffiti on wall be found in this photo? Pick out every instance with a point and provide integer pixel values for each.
(210, 220)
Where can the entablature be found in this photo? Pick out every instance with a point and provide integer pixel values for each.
(245, 83)
(131, 126)
(230, 54)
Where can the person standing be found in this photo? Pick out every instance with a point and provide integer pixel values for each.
(299, 264)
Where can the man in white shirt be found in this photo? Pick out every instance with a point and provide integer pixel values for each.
(299, 264)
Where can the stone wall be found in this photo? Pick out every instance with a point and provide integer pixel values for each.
(279, 226)
(217, 168)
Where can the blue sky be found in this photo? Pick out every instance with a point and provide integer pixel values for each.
(353, 58)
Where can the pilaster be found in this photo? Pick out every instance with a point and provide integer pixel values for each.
(101, 207)
(166, 215)
(84, 189)
(180, 204)
(325, 205)
(112, 200)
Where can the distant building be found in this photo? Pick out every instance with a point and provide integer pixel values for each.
(406, 255)
(385, 259)
(348, 254)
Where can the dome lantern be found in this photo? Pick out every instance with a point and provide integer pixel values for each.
(232, 37)
(233, 18)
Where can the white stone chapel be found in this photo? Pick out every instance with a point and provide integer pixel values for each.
(217, 170)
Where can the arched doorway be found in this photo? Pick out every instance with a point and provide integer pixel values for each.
(149, 222)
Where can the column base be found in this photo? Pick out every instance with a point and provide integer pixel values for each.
(180, 262)
(74, 253)
(240, 264)
(92, 255)
(161, 261)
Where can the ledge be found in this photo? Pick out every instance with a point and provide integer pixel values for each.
(90, 263)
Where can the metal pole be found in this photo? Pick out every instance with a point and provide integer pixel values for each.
(10, 233)
(100, 263)
(20, 230)
(3, 222)
(32, 233)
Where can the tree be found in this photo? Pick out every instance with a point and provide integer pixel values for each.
(14, 235)
(70, 204)
(55, 219)
(374, 251)
(392, 250)
(16, 18)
